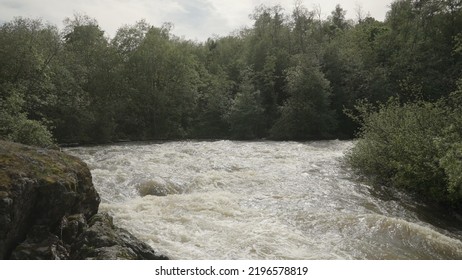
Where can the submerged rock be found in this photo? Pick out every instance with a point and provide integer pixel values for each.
(46, 198)
(158, 187)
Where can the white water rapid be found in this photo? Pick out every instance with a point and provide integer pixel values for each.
(256, 200)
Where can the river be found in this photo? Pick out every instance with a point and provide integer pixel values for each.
(257, 200)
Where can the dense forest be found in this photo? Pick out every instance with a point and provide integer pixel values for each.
(290, 76)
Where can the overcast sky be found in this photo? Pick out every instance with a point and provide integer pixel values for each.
(192, 19)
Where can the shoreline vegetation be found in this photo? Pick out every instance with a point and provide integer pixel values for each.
(396, 85)
(415, 147)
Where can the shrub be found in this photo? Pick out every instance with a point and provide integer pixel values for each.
(414, 146)
(14, 124)
(31, 132)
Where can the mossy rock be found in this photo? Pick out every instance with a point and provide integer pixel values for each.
(46, 199)
(39, 187)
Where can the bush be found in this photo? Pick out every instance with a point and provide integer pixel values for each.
(14, 124)
(413, 146)
(31, 132)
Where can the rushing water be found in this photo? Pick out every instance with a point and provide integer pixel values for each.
(256, 200)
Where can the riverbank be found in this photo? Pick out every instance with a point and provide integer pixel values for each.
(49, 210)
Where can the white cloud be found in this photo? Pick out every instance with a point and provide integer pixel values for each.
(193, 19)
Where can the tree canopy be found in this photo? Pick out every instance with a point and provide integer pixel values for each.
(291, 75)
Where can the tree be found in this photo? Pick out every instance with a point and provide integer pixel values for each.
(306, 114)
(214, 100)
(353, 62)
(163, 78)
(87, 82)
(28, 49)
(246, 113)
(422, 39)
(338, 20)
(128, 38)
(268, 55)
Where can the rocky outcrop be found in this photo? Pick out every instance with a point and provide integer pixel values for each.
(102, 240)
(48, 210)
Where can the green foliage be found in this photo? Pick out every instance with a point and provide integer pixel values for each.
(421, 47)
(450, 144)
(288, 76)
(212, 106)
(30, 132)
(162, 74)
(246, 112)
(306, 113)
(14, 124)
(414, 146)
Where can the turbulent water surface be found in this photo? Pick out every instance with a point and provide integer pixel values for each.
(256, 200)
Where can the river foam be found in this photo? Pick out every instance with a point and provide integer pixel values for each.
(256, 200)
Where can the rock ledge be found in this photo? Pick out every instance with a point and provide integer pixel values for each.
(49, 210)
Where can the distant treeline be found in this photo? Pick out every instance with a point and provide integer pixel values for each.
(292, 75)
